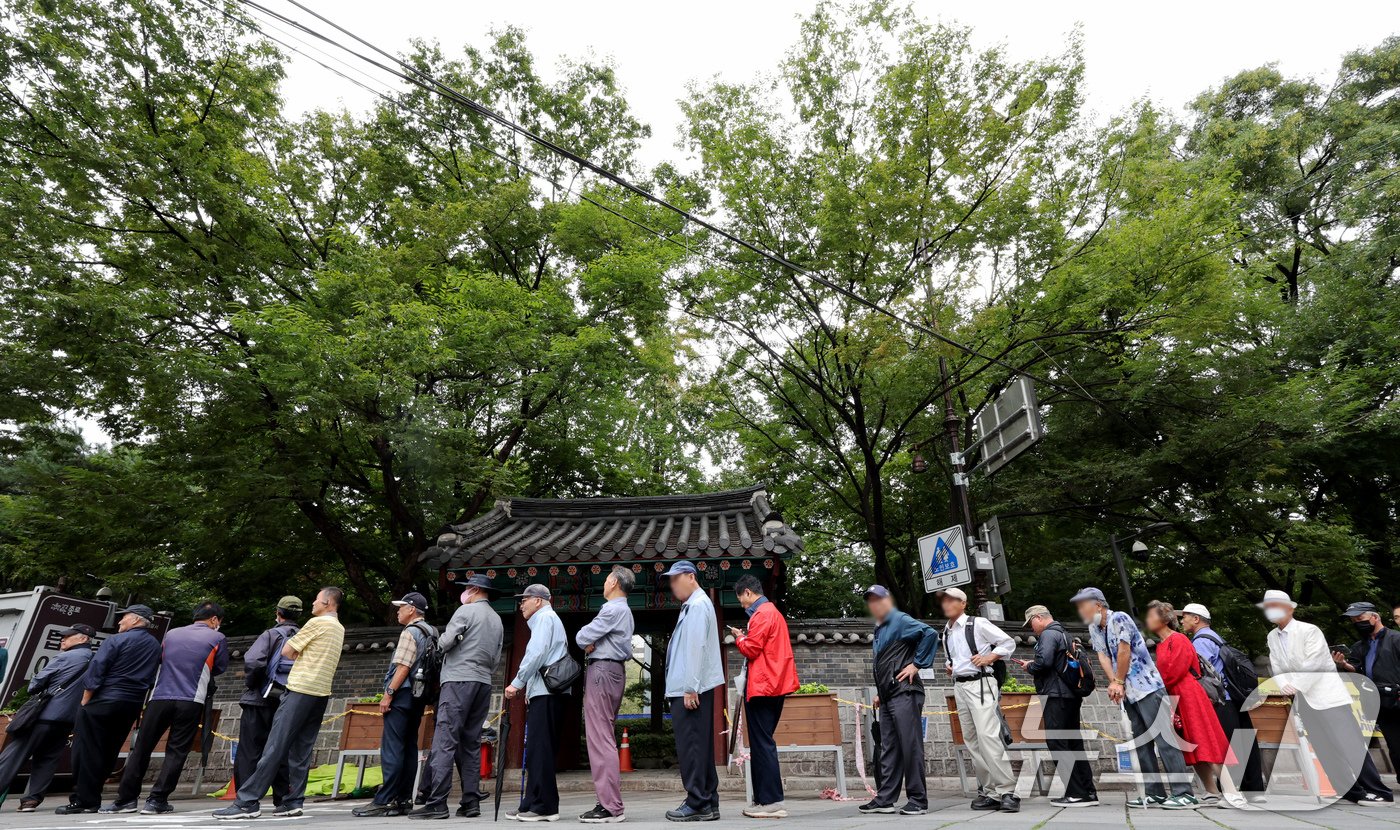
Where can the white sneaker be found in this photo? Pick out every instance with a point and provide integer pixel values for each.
(766, 811)
(529, 816)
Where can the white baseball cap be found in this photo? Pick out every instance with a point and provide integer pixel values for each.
(1277, 596)
(1195, 608)
(955, 593)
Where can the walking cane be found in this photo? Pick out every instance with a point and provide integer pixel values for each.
(501, 755)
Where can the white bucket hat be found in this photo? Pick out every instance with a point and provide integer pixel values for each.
(1276, 596)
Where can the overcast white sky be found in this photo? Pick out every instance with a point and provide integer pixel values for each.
(1168, 51)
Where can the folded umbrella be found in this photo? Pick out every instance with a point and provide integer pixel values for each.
(501, 756)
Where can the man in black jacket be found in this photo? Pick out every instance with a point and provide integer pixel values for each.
(265, 674)
(1377, 655)
(1061, 706)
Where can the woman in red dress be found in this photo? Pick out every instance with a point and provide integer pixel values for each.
(1203, 741)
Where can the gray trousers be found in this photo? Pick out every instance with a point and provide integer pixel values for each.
(1152, 717)
(461, 708)
(293, 740)
(902, 750)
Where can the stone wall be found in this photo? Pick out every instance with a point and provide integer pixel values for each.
(834, 652)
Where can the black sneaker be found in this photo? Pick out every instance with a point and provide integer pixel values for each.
(468, 812)
(426, 812)
(912, 810)
(1373, 800)
(600, 815)
(27, 806)
(287, 811)
(156, 808)
(374, 810)
(71, 809)
(234, 812)
(120, 807)
(876, 807)
(1067, 801)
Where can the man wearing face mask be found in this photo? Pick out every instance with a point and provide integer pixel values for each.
(1377, 655)
(1305, 671)
(191, 657)
(471, 646)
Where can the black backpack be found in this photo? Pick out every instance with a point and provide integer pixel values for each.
(998, 668)
(1075, 670)
(426, 676)
(1240, 676)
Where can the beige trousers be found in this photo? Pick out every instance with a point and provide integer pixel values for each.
(979, 714)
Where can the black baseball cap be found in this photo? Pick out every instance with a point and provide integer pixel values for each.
(415, 599)
(78, 628)
(145, 612)
(1356, 609)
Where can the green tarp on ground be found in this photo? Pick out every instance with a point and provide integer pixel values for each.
(322, 778)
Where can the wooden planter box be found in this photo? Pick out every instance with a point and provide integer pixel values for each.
(364, 727)
(1273, 724)
(1016, 707)
(808, 720)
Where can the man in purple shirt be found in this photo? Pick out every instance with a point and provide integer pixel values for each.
(191, 657)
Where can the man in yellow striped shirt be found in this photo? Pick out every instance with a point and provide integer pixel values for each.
(316, 649)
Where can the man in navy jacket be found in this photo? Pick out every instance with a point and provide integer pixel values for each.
(114, 687)
(42, 743)
(192, 657)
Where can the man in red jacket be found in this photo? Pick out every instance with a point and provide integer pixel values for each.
(772, 674)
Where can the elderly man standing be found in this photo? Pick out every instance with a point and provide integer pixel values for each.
(191, 657)
(43, 743)
(115, 686)
(265, 673)
(693, 671)
(1135, 684)
(607, 641)
(471, 646)
(1195, 621)
(1377, 655)
(544, 712)
(973, 645)
(902, 647)
(1305, 671)
(1061, 706)
(771, 676)
(316, 652)
(402, 708)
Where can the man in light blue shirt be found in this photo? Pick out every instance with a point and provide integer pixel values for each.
(693, 671)
(544, 714)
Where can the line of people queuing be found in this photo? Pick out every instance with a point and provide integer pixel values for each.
(1184, 705)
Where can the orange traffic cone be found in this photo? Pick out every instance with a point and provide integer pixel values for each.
(231, 791)
(1324, 786)
(624, 754)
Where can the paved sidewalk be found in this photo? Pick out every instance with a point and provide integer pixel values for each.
(645, 811)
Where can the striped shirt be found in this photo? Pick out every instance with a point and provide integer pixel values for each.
(318, 646)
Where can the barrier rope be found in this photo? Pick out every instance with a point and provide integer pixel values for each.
(335, 718)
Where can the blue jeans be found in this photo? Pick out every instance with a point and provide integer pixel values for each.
(1152, 716)
(398, 749)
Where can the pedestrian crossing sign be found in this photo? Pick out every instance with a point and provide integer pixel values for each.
(943, 559)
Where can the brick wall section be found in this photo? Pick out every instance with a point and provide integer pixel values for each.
(834, 652)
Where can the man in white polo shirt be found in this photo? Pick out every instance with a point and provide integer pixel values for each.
(973, 646)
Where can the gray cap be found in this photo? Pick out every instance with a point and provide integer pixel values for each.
(142, 611)
(537, 591)
(681, 567)
(1089, 593)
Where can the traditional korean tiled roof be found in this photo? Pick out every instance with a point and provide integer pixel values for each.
(731, 524)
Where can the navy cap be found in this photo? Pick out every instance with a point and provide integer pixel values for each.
(85, 630)
(1089, 593)
(680, 567)
(415, 599)
(1356, 609)
(876, 591)
(476, 581)
(143, 611)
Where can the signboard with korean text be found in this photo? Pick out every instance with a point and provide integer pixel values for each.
(943, 561)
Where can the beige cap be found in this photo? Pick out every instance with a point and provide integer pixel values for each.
(1034, 611)
(955, 593)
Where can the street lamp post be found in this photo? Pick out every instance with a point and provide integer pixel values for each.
(1122, 569)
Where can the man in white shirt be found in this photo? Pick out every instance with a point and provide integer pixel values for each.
(973, 645)
(1304, 670)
